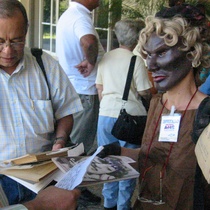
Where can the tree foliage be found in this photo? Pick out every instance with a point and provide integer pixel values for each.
(142, 8)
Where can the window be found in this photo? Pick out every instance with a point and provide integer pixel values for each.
(49, 13)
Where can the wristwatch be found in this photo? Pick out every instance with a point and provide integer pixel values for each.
(59, 138)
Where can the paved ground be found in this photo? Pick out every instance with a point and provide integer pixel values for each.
(96, 189)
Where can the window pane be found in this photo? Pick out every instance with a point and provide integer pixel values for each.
(46, 37)
(46, 14)
(54, 12)
(53, 38)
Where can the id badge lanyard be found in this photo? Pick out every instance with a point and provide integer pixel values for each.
(169, 130)
(169, 127)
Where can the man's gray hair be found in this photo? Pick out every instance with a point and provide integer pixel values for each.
(127, 31)
(9, 7)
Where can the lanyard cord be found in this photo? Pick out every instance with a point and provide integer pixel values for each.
(171, 147)
(153, 135)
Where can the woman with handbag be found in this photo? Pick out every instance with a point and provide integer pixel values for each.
(110, 82)
(174, 43)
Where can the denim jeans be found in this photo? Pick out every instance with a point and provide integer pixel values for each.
(115, 193)
(15, 192)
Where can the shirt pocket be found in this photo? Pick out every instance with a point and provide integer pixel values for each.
(43, 121)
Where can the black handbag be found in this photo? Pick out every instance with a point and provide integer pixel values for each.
(129, 128)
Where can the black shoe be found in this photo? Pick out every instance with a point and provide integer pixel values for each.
(87, 196)
(113, 208)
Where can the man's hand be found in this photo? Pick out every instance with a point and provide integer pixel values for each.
(85, 68)
(58, 145)
(110, 149)
(53, 198)
(202, 119)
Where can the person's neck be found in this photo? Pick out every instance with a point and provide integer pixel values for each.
(85, 4)
(180, 95)
(126, 48)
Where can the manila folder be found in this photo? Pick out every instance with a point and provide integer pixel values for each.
(202, 152)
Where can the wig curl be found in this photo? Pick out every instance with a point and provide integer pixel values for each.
(193, 38)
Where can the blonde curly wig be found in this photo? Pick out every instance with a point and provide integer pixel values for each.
(193, 38)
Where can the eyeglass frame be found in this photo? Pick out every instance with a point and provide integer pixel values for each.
(14, 45)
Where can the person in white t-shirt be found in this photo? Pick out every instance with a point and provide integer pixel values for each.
(78, 50)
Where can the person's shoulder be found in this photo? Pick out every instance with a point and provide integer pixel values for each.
(50, 61)
(157, 97)
(205, 101)
(139, 58)
(78, 9)
(28, 52)
(111, 52)
(199, 99)
(110, 55)
(49, 56)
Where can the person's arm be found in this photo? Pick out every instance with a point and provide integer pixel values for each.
(63, 130)
(115, 149)
(132, 153)
(99, 89)
(89, 44)
(53, 198)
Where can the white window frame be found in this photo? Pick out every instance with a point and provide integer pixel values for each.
(54, 6)
(35, 10)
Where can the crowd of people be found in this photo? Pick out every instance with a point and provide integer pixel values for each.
(83, 96)
(175, 48)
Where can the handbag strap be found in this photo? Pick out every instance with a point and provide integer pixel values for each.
(129, 78)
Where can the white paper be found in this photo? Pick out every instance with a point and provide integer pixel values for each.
(75, 176)
(101, 170)
(169, 128)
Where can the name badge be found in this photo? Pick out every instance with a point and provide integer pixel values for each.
(169, 128)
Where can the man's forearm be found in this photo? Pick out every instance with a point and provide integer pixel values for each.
(63, 129)
(89, 45)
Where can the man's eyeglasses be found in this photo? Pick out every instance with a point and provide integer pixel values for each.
(13, 45)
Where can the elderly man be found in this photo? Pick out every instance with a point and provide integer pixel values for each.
(36, 115)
